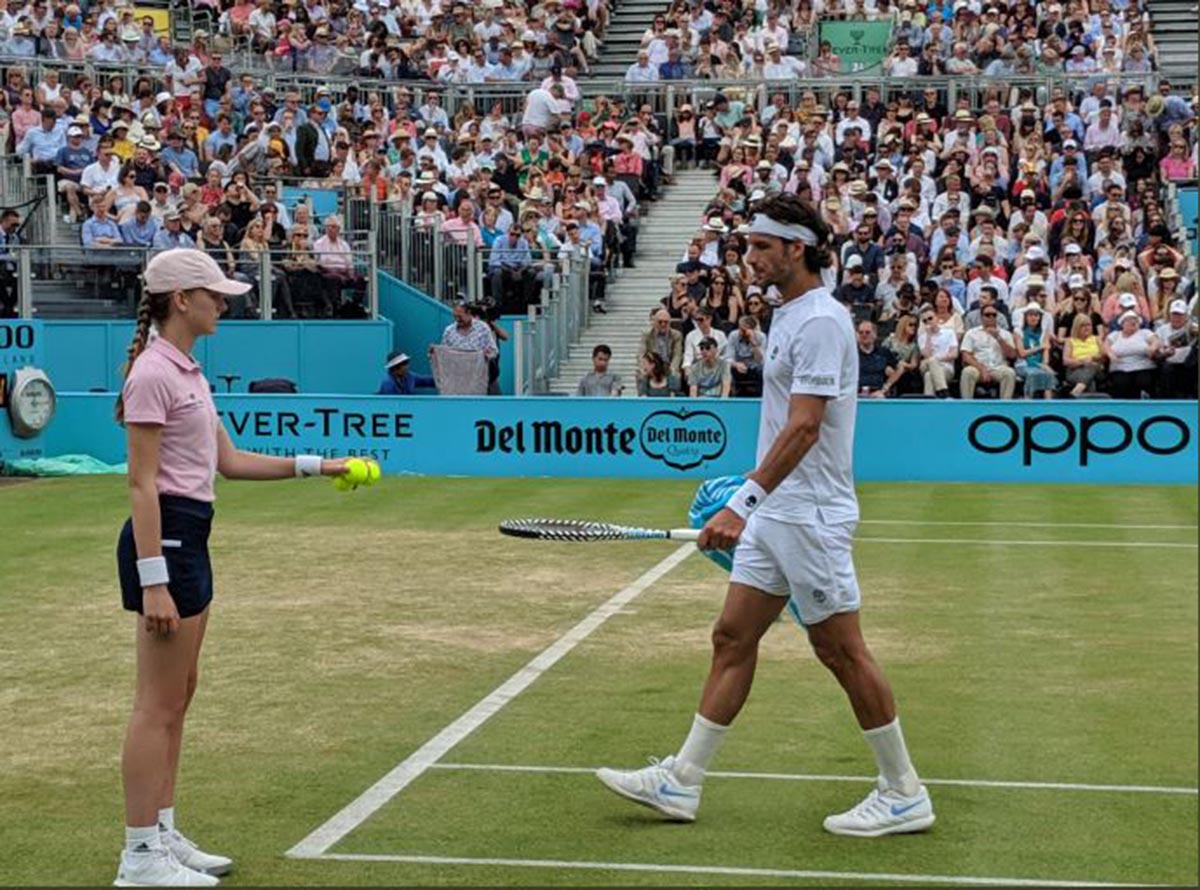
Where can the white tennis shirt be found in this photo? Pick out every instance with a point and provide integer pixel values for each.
(811, 350)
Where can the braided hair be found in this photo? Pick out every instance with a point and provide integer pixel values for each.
(791, 210)
(152, 308)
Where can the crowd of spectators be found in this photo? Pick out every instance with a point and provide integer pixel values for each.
(981, 249)
(190, 146)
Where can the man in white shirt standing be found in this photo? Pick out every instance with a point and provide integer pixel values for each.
(792, 522)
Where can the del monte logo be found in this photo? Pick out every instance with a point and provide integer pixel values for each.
(683, 439)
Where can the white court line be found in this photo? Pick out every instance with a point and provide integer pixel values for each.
(871, 877)
(408, 770)
(812, 777)
(967, 524)
(993, 542)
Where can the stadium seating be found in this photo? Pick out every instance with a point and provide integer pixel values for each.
(250, 128)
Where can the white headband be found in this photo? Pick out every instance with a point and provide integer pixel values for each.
(762, 224)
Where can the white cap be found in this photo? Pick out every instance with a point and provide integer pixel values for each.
(1033, 307)
(1178, 307)
(1130, 314)
(1035, 253)
(162, 97)
(1073, 248)
(1127, 301)
(855, 262)
(75, 131)
(1070, 143)
(398, 359)
(599, 180)
(184, 268)
(1035, 281)
(715, 224)
(1076, 282)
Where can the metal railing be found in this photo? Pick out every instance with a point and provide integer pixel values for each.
(543, 340)
(553, 300)
(285, 283)
(663, 96)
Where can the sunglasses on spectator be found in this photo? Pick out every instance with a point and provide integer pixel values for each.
(988, 314)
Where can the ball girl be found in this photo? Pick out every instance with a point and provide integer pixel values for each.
(176, 444)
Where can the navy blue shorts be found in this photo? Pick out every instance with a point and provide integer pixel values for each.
(186, 524)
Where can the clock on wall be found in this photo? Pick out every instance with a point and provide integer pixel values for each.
(31, 402)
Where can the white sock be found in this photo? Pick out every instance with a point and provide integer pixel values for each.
(698, 750)
(141, 840)
(166, 819)
(891, 755)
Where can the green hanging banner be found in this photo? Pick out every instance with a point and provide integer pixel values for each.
(859, 44)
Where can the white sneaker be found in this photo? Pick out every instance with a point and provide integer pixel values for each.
(884, 811)
(158, 868)
(193, 857)
(655, 786)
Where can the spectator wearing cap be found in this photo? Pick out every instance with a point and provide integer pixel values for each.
(1120, 301)
(987, 353)
(179, 158)
(1177, 339)
(400, 379)
(1131, 350)
(704, 328)
(856, 292)
(710, 375)
(73, 158)
(172, 235)
(514, 278)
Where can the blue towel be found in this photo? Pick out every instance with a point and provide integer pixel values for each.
(711, 498)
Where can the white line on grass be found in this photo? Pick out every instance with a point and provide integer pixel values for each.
(992, 542)
(408, 770)
(812, 777)
(870, 877)
(1096, 525)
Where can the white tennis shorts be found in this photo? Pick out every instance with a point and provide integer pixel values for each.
(811, 564)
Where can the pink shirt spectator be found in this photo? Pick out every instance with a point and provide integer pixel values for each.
(1174, 169)
(166, 388)
(459, 232)
(23, 120)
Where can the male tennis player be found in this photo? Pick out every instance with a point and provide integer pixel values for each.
(792, 523)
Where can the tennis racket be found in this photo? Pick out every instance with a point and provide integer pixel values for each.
(580, 530)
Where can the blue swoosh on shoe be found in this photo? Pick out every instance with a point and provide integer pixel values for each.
(665, 790)
(900, 811)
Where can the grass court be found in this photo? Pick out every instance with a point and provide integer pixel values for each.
(1042, 643)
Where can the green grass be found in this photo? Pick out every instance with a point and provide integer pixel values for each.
(350, 629)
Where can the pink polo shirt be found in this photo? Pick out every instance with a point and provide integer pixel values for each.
(166, 388)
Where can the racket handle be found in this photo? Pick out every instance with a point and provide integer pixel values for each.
(683, 534)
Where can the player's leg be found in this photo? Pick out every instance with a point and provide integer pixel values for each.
(163, 667)
(178, 843)
(672, 786)
(825, 590)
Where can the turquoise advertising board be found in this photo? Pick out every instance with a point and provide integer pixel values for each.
(948, 441)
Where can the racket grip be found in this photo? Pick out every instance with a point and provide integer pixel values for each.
(683, 534)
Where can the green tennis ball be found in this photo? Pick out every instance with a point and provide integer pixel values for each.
(342, 483)
(374, 473)
(356, 471)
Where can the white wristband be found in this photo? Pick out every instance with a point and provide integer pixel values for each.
(152, 571)
(747, 499)
(308, 465)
